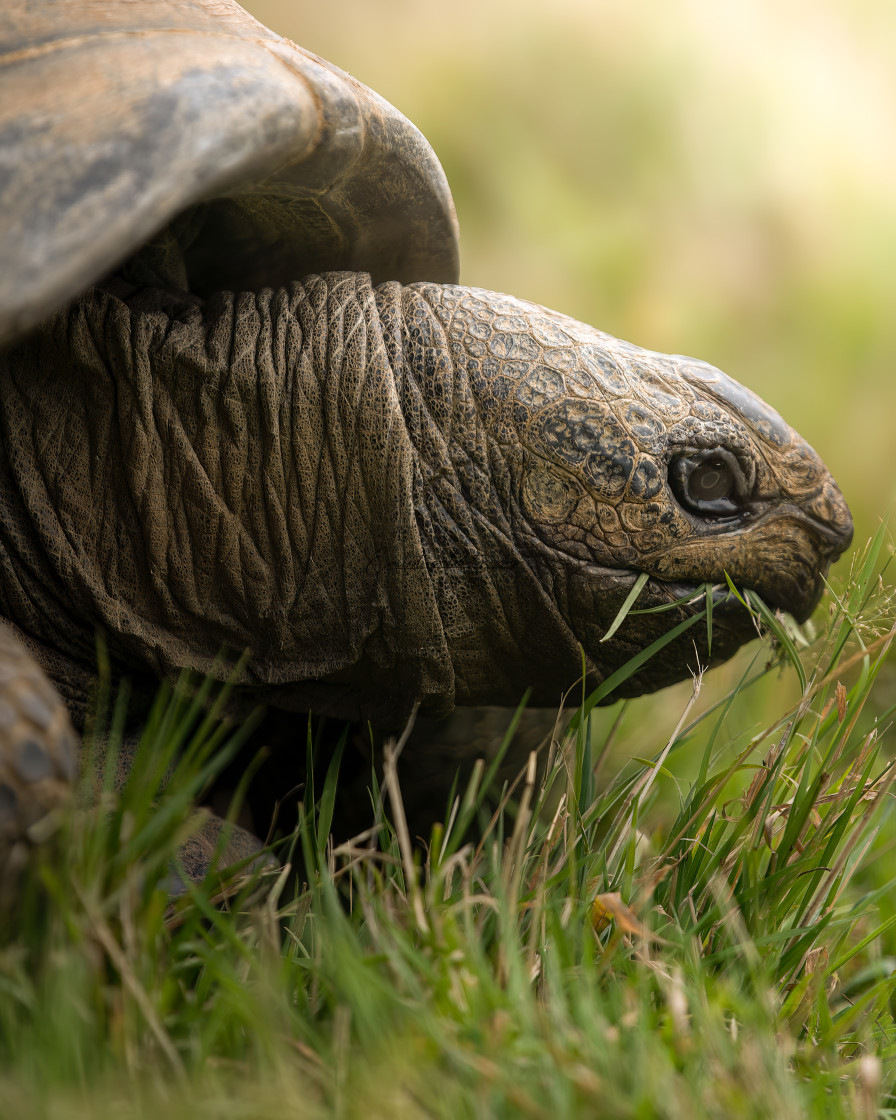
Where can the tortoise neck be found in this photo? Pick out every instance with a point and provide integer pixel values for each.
(495, 593)
(237, 474)
(303, 473)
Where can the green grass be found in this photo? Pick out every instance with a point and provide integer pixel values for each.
(593, 947)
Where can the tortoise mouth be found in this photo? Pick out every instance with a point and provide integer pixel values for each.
(669, 624)
(731, 622)
(797, 592)
(677, 600)
(665, 595)
(728, 606)
(790, 553)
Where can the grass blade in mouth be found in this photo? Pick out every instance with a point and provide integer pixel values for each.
(630, 668)
(769, 619)
(704, 589)
(695, 593)
(636, 590)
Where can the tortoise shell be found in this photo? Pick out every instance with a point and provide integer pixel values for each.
(243, 160)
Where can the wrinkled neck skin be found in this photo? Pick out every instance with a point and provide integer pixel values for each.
(355, 486)
(285, 472)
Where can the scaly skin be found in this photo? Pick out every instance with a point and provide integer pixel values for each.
(425, 493)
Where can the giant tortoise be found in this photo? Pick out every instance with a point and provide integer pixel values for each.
(245, 405)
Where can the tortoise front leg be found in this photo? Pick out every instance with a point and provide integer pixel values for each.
(38, 750)
(39, 764)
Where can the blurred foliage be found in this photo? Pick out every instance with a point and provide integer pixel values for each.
(713, 177)
(554, 958)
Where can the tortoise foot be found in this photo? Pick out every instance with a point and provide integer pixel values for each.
(38, 751)
(206, 854)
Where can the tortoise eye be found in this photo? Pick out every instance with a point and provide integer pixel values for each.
(710, 480)
(709, 483)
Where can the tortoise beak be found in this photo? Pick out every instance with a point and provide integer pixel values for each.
(830, 521)
(825, 524)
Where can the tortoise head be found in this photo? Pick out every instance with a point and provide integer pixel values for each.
(630, 462)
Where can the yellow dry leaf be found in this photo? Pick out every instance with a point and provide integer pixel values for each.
(608, 908)
(840, 695)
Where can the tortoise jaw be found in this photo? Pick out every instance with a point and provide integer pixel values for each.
(728, 604)
(690, 599)
(809, 538)
(696, 646)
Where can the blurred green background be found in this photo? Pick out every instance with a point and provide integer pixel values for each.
(707, 177)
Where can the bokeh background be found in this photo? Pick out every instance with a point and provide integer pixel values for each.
(707, 177)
